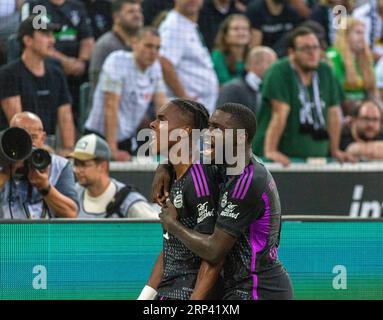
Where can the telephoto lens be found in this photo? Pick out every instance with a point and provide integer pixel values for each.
(15, 145)
(40, 159)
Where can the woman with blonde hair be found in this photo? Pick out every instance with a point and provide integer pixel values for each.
(231, 47)
(353, 63)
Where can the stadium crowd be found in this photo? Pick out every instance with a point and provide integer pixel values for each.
(310, 70)
(105, 66)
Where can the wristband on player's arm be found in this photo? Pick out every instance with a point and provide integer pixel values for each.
(148, 293)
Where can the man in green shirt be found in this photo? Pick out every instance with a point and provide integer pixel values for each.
(300, 115)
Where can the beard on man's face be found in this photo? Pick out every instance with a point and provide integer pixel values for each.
(362, 135)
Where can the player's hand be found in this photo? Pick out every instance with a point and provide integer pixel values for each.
(38, 179)
(161, 185)
(168, 215)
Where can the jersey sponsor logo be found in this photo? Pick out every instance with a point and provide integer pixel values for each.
(229, 211)
(178, 201)
(364, 209)
(224, 200)
(203, 212)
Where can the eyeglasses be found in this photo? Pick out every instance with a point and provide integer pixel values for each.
(369, 119)
(307, 49)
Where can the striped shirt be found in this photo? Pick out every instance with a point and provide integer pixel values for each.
(121, 75)
(182, 44)
(194, 195)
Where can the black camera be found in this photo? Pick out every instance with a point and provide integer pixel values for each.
(39, 159)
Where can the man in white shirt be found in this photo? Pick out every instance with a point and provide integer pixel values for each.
(100, 196)
(128, 83)
(186, 62)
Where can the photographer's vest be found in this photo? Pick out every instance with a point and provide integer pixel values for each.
(23, 201)
(131, 198)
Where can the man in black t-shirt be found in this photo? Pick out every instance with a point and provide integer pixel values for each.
(248, 227)
(270, 20)
(33, 84)
(178, 272)
(74, 41)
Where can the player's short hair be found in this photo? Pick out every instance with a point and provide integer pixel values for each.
(198, 110)
(118, 4)
(243, 117)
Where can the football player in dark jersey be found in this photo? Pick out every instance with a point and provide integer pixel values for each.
(247, 231)
(178, 272)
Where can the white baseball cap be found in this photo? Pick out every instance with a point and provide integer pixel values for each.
(91, 147)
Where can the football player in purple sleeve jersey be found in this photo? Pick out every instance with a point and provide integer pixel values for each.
(179, 273)
(247, 231)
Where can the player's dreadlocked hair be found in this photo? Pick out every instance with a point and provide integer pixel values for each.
(200, 114)
(243, 116)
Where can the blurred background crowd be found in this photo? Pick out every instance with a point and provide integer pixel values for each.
(311, 70)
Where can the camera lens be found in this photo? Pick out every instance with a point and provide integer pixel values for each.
(16, 144)
(40, 159)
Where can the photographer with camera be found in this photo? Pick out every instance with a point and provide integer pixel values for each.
(100, 196)
(40, 187)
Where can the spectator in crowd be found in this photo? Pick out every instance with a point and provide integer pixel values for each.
(232, 47)
(100, 196)
(153, 8)
(212, 14)
(74, 42)
(353, 64)
(100, 14)
(364, 137)
(33, 194)
(300, 114)
(129, 82)
(186, 62)
(247, 89)
(33, 84)
(127, 21)
(270, 20)
(371, 13)
(323, 13)
(9, 22)
(317, 29)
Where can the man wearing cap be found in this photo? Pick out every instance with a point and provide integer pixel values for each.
(100, 196)
(37, 194)
(34, 84)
